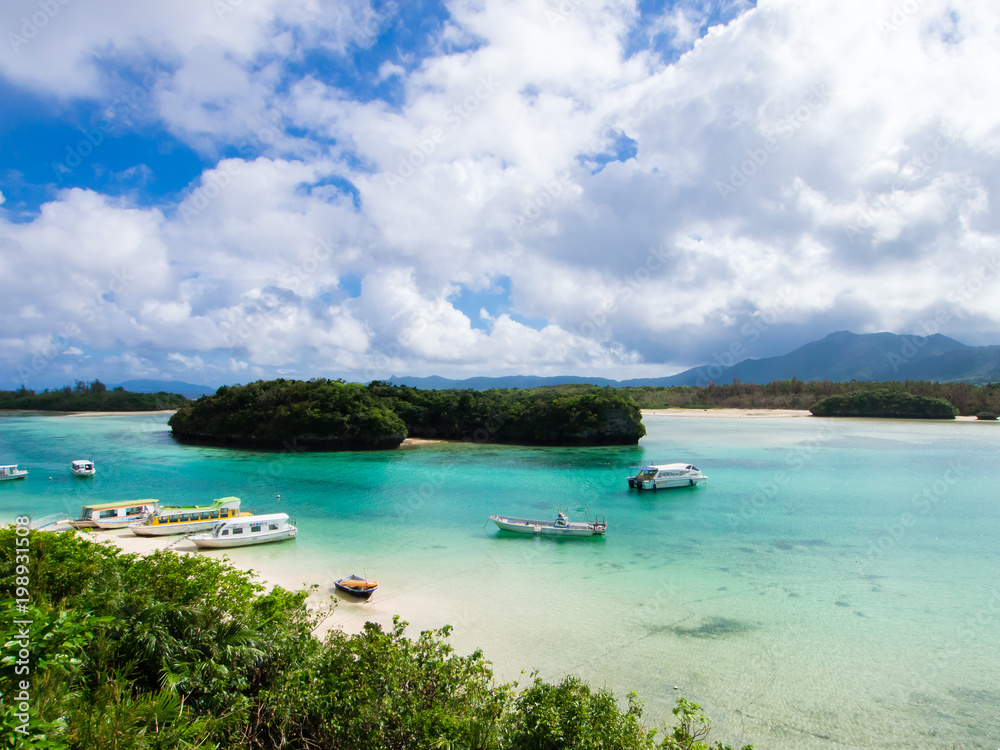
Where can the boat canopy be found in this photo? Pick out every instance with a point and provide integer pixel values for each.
(253, 520)
(118, 504)
(215, 505)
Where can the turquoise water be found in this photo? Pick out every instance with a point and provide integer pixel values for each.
(834, 585)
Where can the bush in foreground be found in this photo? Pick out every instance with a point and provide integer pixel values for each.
(170, 651)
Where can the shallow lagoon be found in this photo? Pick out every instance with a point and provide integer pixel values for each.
(834, 584)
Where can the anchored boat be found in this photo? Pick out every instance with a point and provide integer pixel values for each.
(665, 476)
(113, 515)
(82, 468)
(561, 526)
(184, 519)
(356, 585)
(12, 472)
(245, 530)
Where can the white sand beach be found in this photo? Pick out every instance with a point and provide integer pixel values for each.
(728, 413)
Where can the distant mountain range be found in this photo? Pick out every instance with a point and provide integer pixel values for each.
(841, 356)
(190, 390)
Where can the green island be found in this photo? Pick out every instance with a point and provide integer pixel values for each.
(120, 651)
(92, 396)
(969, 400)
(334, 415)
(884, 403)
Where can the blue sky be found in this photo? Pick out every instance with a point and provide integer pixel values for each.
(218, 192)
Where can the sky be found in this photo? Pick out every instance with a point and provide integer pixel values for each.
(221, 191)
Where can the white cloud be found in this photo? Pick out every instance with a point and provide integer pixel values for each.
(845, 151)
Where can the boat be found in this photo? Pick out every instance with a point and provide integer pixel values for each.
(177, 519)
(356, 586)
(113, 515)
(665, 476)
(244, 530)
(82, 468)
(561, 526)
(12, 472)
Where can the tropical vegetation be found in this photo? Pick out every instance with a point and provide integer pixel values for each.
(120, 651)
(883, 402)
(969, 400)
(331, 414)
(92, 396)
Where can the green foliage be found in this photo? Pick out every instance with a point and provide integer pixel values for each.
(330, 415)
(93, 396)
(171, 651)
(323, 414)
(883, 402)
(798, 394)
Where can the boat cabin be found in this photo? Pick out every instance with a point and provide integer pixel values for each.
(12, 472)
(250, 525)
(117, 513)
(82, 467)
(227, 507)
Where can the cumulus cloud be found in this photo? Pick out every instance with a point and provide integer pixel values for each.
(763, 176)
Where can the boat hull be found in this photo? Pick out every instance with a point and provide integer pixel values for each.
(172, 529)
(115, 523)
(212, 542)
(547, 528)
(667, 484)
(349, 586)
(12, 477)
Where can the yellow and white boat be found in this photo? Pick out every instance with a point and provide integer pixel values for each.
(178, 519)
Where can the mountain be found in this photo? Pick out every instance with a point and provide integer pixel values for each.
(839, 357)
(190, 390)
(844, 356)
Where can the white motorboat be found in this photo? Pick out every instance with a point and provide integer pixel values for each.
(665, 476)
(12, 472)
(244, 530)
(561, 526)
(82, 468)
(175, 519)
(114, 515)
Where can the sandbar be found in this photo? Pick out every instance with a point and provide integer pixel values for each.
(729, 413)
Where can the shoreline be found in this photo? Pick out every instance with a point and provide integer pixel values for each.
(56, 413)
(730, 413)
(348, 619)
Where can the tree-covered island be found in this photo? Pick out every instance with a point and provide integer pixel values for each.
(92, 396)
(334, 415)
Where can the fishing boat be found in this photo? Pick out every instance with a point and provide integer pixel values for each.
(561, 526)
(244, 530)
(176, 519)
(12, 472)
(113, 515)
(82, 468)
(665, 476)
(356, 586)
